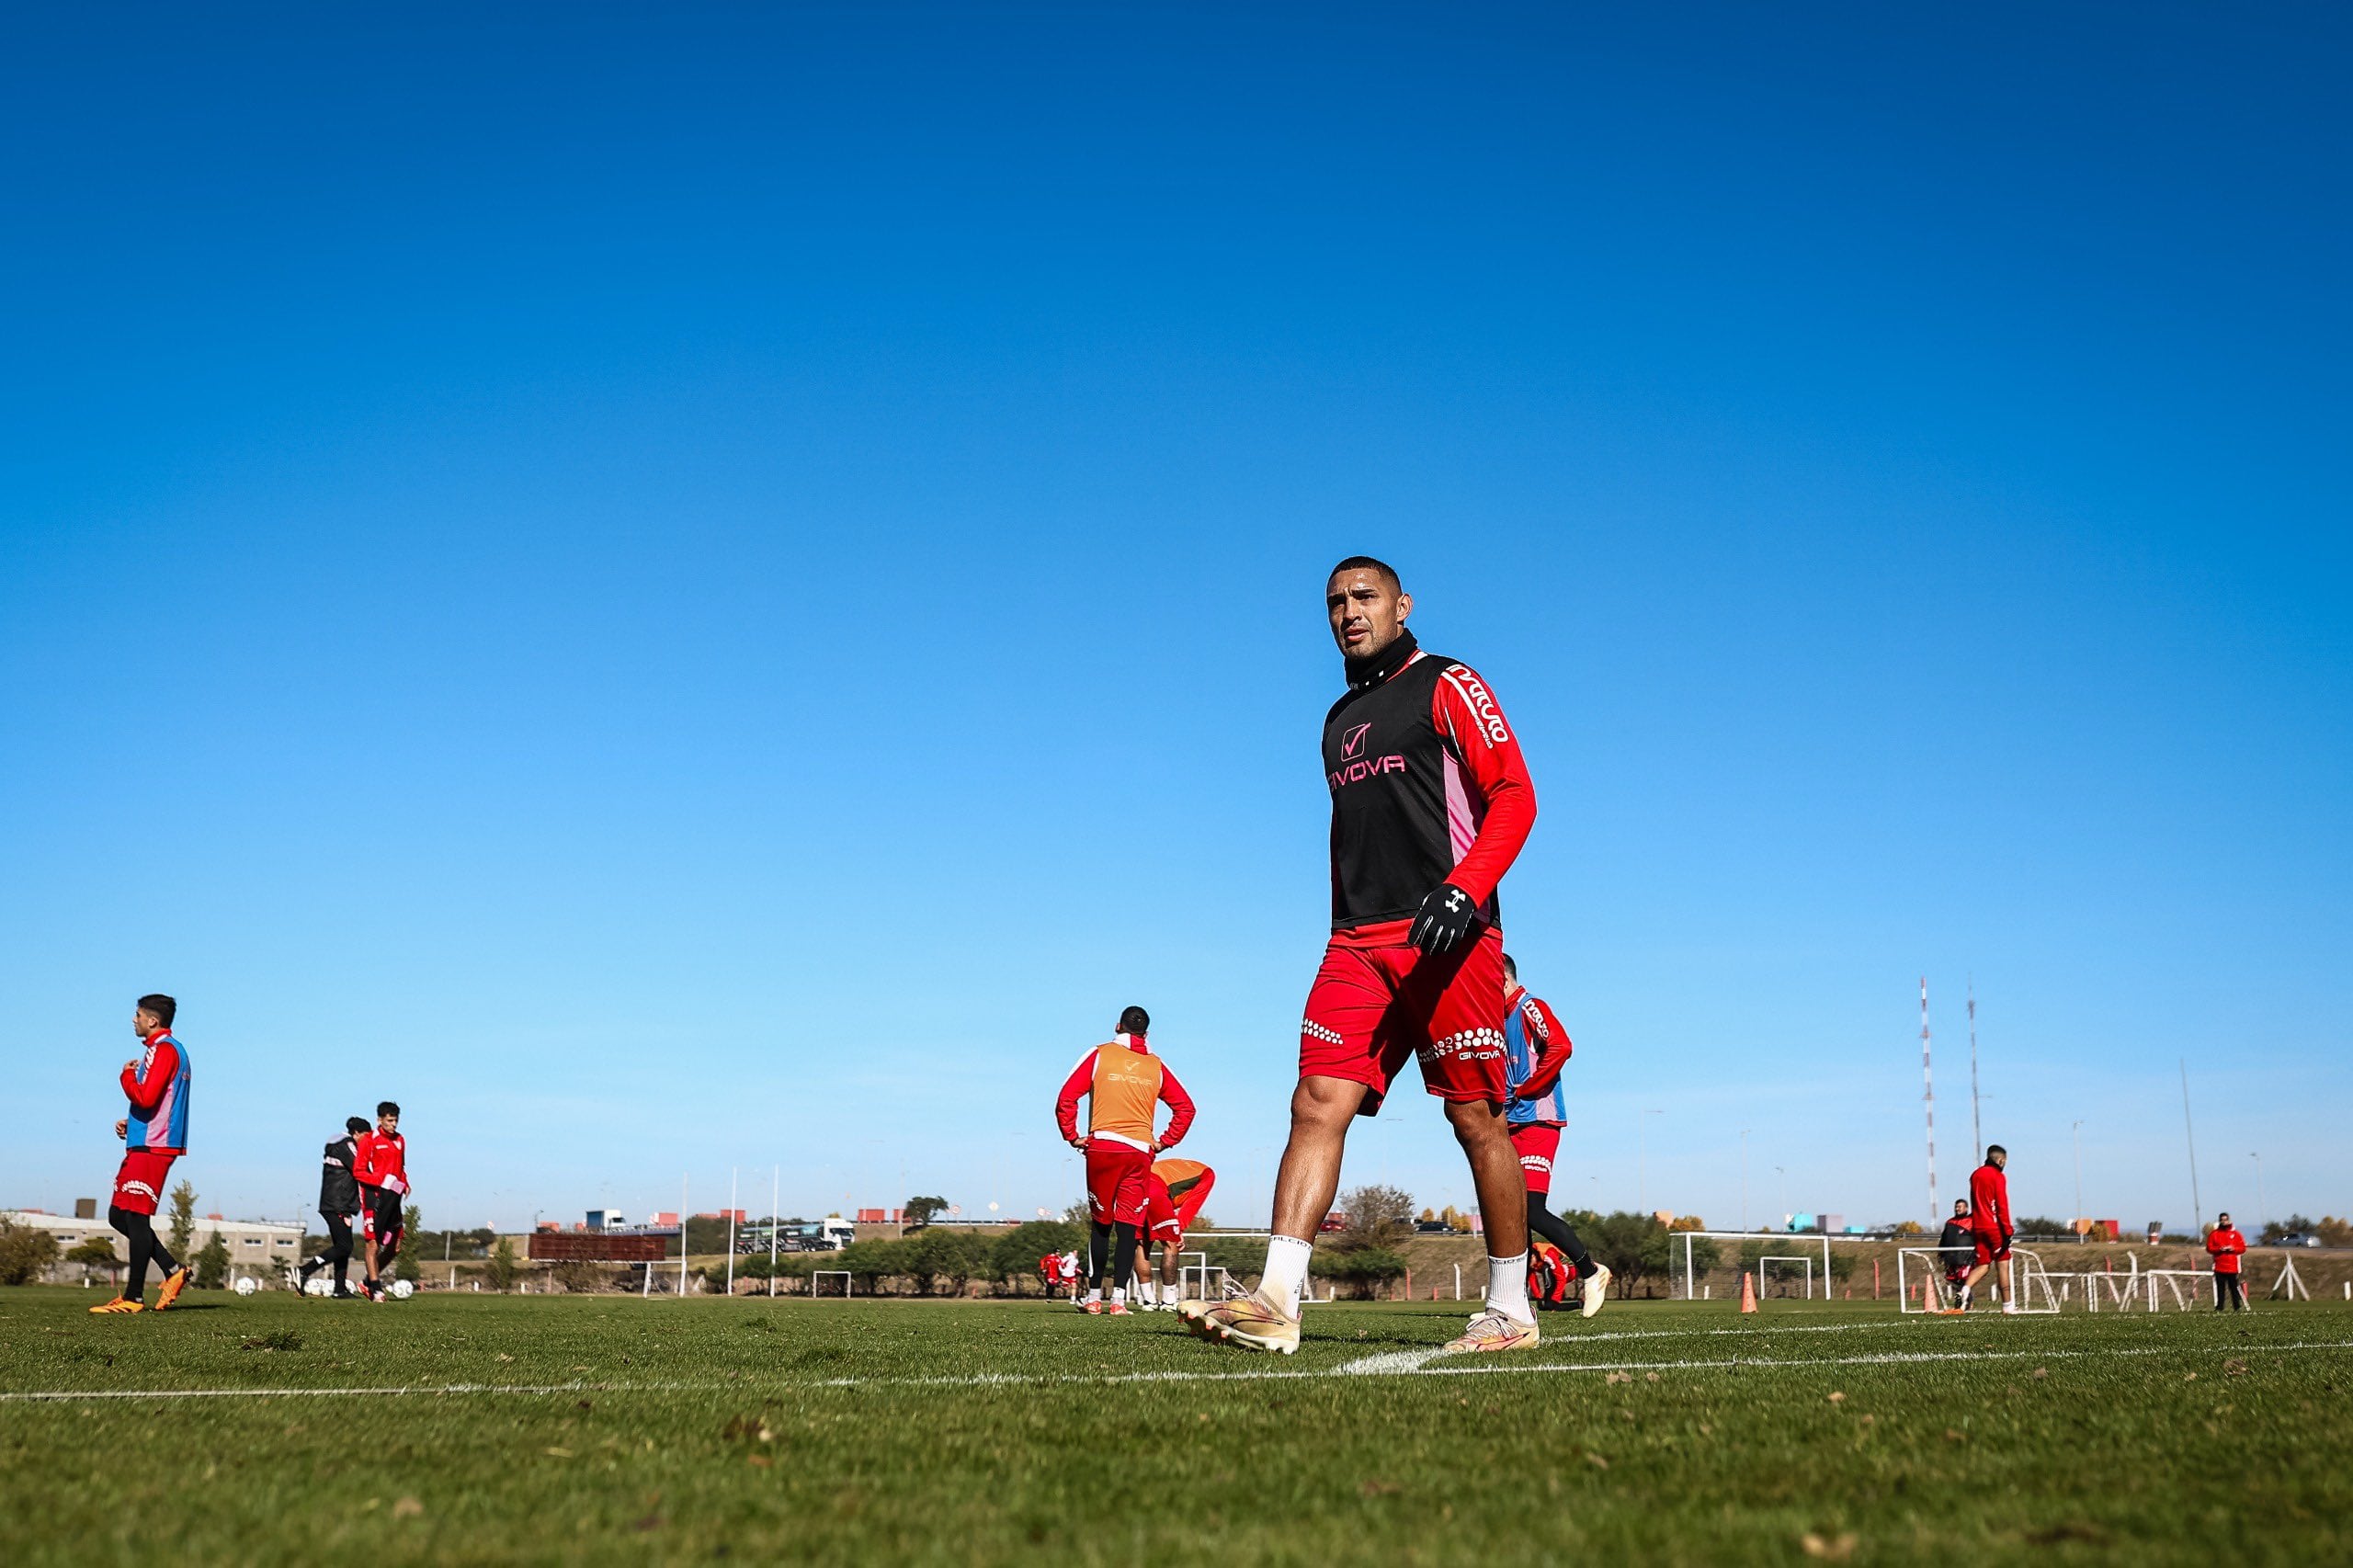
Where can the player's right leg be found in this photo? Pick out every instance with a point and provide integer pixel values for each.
(1345, 1066)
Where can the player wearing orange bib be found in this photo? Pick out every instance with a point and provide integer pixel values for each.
(1174, 1193)
(1124, 1085)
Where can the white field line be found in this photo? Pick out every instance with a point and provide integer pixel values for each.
(1450, 1367)
(1388, 1361)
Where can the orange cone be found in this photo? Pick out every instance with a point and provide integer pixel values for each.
(1748, 1293)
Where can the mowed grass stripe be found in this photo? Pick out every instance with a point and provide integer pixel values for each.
(1397, 1364)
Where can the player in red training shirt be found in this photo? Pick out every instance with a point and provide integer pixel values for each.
(1174, 1193)
(2226, 1244)
(383, 1174)
(1124, 1085)
(1989, 1217)
(1430, 803)
(155, 1133)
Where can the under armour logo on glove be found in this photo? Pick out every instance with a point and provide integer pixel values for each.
(1446, 917)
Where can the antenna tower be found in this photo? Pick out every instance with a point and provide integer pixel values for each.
(1928, 1097)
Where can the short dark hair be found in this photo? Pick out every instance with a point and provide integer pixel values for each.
(1960, 1203)
(1134, 1020)
(1511, 967)
(1369, 563)
(163, 1006)
(1993, 1148)
(387, 1107)
(355, 1124)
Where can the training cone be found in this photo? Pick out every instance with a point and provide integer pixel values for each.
(1748, 1293)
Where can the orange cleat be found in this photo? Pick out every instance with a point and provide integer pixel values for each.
(173, 1283)
(1115, 1309)
(120, 1306)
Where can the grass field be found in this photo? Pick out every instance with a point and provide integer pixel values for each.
(570, 1429)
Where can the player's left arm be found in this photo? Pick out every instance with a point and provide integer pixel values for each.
(1553, 1048)
(1466, 712)
(1080, 1081)
(1180, 1109)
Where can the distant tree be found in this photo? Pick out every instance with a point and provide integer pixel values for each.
(503, 1266)
(181, 1233)
(921, 1211)
(705, 1234)
(25, 1253)
(1378, 1217)
(1454, 1219)
(1633, 1246)
(2042, 1225)
(407, 1266)
(212, 1262)
(1910, 1228)
(1368, 1269)
(1013, 1256)
(1079, 1214)
(2334, 1232)
(2278, 1230)
(1429, 1216)
(96, 1252)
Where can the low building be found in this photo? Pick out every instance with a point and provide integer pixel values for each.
(260, 1247)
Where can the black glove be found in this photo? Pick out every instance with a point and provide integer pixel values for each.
(1444, 919)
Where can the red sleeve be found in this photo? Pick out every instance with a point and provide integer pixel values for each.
(146, 1093)
(1553, 1048)
(1466, 713)
(363, 1160)
(2002, 1201)
(1181, 1107)
(1081, 1079)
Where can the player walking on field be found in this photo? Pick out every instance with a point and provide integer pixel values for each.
(1989, 1216)
(383, 1174)
(1430, 803)
(2225, 1244)
(155, 1133)
(1124, 1084)
(338, 1204)
(1535, 1050)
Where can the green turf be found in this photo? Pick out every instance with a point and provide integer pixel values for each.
(896, 1432)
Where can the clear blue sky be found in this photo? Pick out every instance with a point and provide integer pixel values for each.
(719, 587)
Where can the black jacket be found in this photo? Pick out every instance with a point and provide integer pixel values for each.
(1959, 1244)
(338, 1190)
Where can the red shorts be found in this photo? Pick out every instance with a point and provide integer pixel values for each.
(1991, 1247)
(1535, 1143)
(1166, 1217)
(138, 1185)
(1115, 1179)
(1378, 1000)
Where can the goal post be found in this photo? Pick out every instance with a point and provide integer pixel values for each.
(1805, 1262)
(815, 1275)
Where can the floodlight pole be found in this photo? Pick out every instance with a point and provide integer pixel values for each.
(2082, 1226)
(682, 1238)
(1782, 1174)
(1928, 1098)
(730, 1231)
(776, 1195)
(2262, 1208)
(2190, 1134)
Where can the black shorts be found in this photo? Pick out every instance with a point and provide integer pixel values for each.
(383, 1206)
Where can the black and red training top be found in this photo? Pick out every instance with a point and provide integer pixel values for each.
(1428, 787)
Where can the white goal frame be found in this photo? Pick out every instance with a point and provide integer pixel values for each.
(2028, 1283)
(1202, 1271)
(841, 1273)
(1787, 1257)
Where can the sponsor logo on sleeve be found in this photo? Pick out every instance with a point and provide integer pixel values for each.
(1475, 692)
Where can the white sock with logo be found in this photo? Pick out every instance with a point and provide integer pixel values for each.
(1507, 1288)
(1286, 1271)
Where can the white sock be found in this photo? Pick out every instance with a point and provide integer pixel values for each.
(1508, 1287)
(1286, 1271)
(1120, 1294)
(1151, 1289)
(1096, 1294)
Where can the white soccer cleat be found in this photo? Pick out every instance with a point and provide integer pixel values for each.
(1491, 1331)
(1595, 1290)
(1250, 1322)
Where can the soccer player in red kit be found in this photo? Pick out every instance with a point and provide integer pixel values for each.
(1989, 1216)
(1124, 1084)
(382, 1173)
(1430, 803)
(157, 1084)
(1535, 1050)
